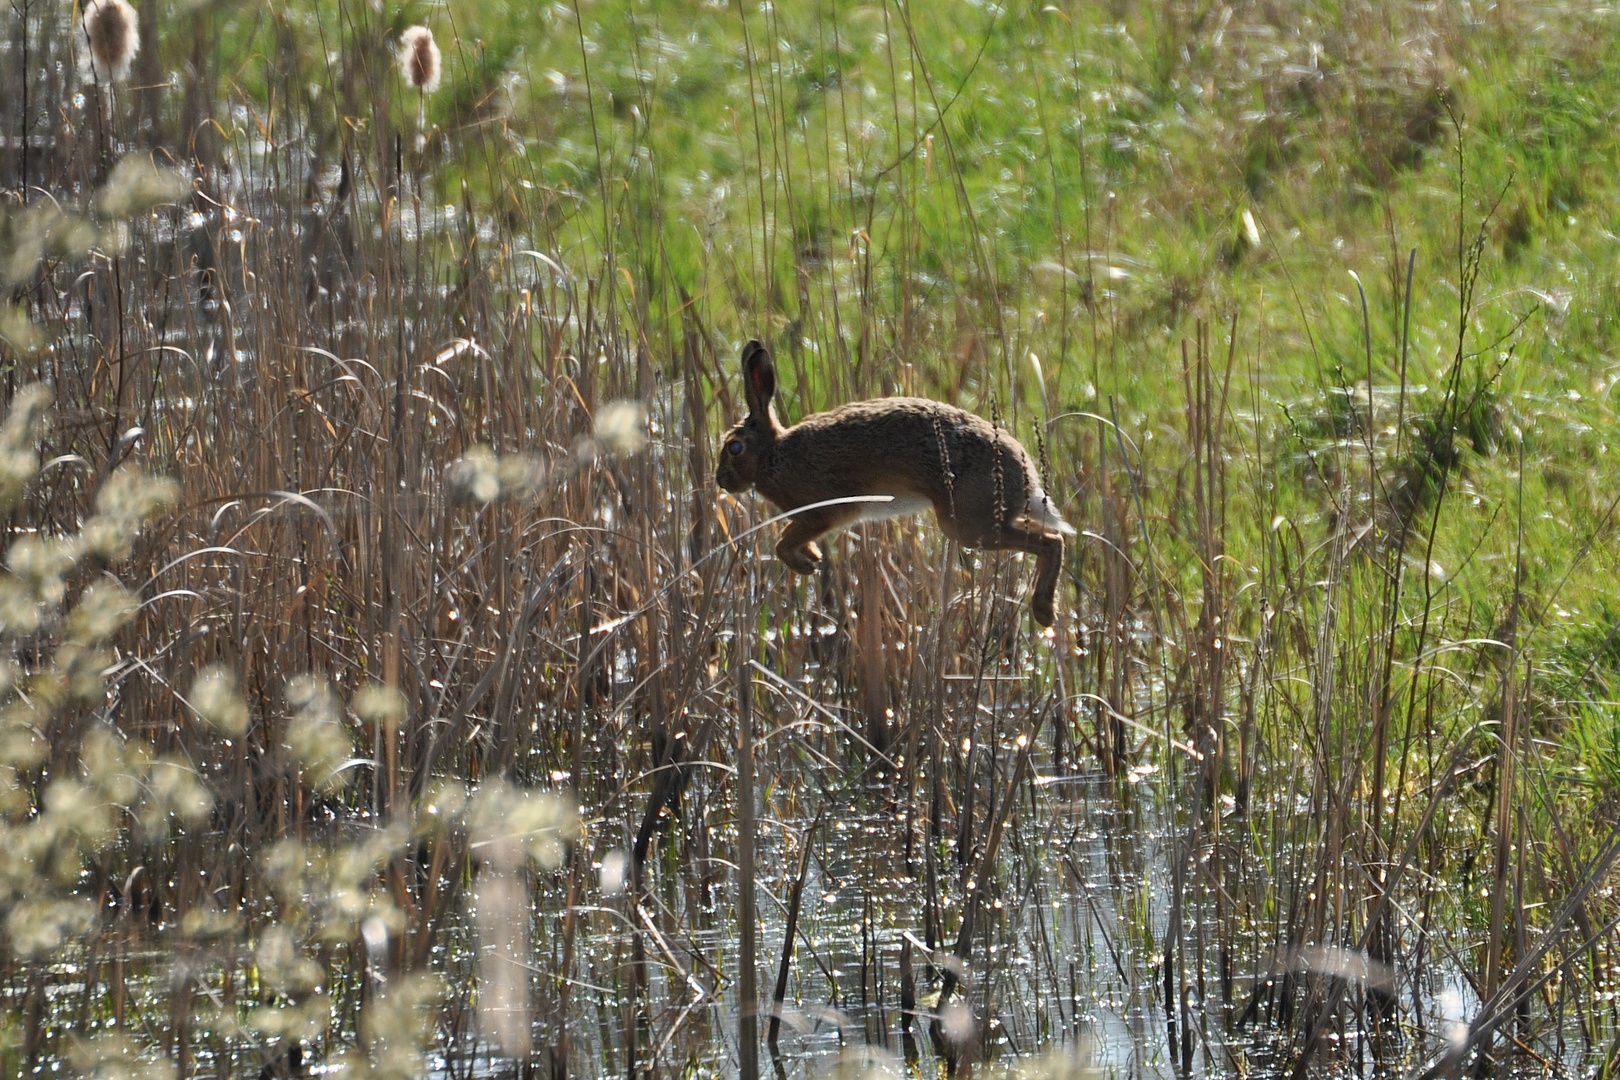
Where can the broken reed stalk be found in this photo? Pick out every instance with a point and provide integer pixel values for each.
(789, 933)
(983, 871)
(747, 826)
(1507, 738)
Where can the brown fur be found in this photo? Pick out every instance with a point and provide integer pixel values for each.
(897, 447)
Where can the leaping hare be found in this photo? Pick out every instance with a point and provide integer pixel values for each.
(981, 484)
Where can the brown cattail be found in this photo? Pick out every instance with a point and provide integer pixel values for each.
(419, 58)
(109, 37)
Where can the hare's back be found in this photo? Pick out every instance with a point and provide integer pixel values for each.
(897, 421)
(897, 429)
(898, 446)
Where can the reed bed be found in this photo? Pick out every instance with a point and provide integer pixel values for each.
(389, 688)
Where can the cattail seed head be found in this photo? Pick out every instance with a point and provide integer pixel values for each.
(109, 38)
(418, 58)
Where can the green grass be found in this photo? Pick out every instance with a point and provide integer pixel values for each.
(789, 171)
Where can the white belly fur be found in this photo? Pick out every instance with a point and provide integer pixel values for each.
(899, 506)
(1043, 513)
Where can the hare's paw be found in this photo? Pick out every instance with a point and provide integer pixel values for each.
(1041, 607)
(801, 558)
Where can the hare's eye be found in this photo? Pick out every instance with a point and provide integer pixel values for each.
(734, 447)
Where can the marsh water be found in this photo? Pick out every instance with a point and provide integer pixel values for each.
(1070, 971)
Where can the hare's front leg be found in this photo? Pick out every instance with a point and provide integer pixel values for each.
(798, 547)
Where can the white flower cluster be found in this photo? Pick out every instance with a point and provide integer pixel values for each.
(481, 476)
(52, 822)
(319, 742)
(48, 230)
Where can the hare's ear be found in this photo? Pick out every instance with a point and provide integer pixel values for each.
(759, 378)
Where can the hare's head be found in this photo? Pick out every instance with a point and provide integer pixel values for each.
(748, 445)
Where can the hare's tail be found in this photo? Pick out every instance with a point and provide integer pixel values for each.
(1043, 512)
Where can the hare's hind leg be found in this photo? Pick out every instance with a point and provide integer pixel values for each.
(1048, 564)
(974, 526)
(1048, 551)
(798, 547)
